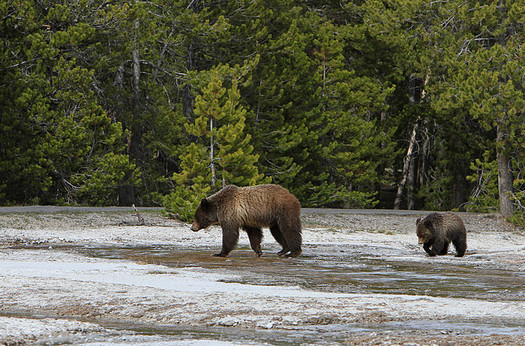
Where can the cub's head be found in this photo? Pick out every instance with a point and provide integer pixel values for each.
(205, 215)
(424, 230)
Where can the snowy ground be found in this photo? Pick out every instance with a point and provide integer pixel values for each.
(53, 291)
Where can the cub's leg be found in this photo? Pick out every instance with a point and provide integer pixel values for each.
(427, 246)
(437, 247)
(461, 246)
(445, 249)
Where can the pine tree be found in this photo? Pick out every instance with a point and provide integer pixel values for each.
(484, 68)
(59, 142)
(222, 153)
(316, 117)
(138, 79)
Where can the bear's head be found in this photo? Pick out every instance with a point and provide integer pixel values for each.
(205, 215)
(424, 231)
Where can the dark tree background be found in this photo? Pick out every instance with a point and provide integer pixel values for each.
(391, 104)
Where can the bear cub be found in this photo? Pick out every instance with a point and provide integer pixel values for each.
(252, 208)
(437, 230)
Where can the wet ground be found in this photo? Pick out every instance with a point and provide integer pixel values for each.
(356, 269)
(357, 282)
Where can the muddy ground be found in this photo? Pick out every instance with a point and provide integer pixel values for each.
(104, 278)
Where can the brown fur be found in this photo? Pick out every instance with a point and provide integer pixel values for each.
(437, 230)
(252, 208)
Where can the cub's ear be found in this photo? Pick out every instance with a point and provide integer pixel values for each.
(205, 204)
(418, 221)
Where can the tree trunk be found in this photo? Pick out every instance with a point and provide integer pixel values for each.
(212, 158)
(416, 95)
(459, 195)
(127, 192)
(506, 207)
(136, 71)
(410, 185)
(187, 98)
(406, 166)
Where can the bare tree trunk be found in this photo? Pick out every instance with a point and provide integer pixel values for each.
(506, 207)
(212, 158)
(127, 192)
(424, 148)
(187, 98)
(410, 185)
(406, 166)
(459, 192)
(136, 70)
(416, 94)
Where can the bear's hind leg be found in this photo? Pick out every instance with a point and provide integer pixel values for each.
(230, 237)
(461, 246)
(255, 234)
(277, 234)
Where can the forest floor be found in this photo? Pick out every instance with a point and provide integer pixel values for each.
(104, 278)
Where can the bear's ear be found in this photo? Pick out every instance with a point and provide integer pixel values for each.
(205, 204)
(418, 221)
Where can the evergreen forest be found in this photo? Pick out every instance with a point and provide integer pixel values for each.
(406, 104)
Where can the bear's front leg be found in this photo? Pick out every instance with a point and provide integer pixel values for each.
(230, 237)
(444, 251)
(426, 247)
(437, 247)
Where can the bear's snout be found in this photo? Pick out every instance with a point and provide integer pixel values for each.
(194, 226)
(421, 241)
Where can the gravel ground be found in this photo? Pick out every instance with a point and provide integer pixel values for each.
(50, 293)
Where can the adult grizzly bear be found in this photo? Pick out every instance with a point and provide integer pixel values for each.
(437, 230)
(252, 208)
